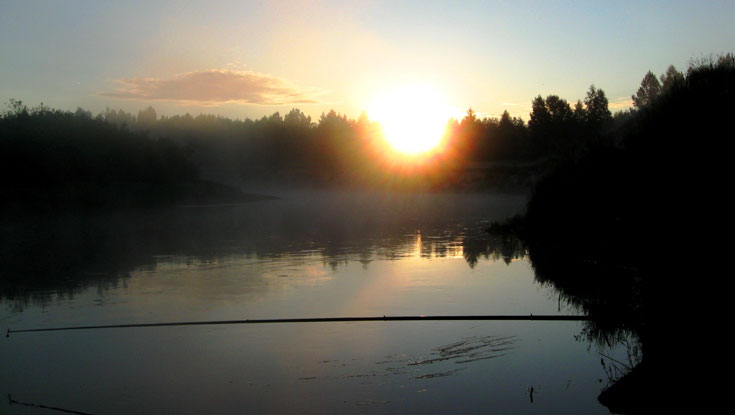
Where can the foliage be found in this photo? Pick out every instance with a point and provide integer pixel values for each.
(561, 132)
(289, 150)
(596, 111)
(649, 90)
(612, 229)
(51, 159)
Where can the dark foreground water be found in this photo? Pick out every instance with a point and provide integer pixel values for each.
(309, 254)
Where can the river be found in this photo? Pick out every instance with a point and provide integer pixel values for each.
(306, 254)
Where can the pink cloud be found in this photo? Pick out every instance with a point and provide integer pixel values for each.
(621, 103)
(214, 87)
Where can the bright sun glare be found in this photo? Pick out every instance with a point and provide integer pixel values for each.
(413, 118)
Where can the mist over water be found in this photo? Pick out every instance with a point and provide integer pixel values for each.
(306, 254)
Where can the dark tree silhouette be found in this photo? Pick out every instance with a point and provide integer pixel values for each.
(607, 228)
(553, 127)
(52, 159)
(649, 90)
(147, 117)
(580, 112)
(294, 150)
(597, 113)
(671, 78)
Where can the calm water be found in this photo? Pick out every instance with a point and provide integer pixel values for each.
(308, 254)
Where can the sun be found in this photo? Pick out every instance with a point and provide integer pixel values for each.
(413, 118)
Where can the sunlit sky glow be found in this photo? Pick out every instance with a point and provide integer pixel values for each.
(249, 59)
(397, 111)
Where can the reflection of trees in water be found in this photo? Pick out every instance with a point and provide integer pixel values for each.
(602, 284)
(45, 260)
(606, 290)
(50, 258)
(609, 287)
(57, 258)
(493, 247)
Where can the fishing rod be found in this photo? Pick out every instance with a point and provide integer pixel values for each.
(12, 401)
(529, 317)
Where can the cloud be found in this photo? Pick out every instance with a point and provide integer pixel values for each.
(620, 104)
(215, 87)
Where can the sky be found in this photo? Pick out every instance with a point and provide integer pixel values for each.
(247, 59)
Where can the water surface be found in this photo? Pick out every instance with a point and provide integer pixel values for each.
(308, 254)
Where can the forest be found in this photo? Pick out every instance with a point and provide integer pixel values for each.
(56, 158)
(620, 213)
(619, 230)
(336, 150)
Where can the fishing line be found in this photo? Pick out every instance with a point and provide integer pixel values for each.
(529, 317)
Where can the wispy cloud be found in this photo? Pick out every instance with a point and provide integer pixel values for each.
(215, 87)
(620, 104)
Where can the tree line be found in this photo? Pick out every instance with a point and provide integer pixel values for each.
(53, 159)
(52, 155)
(338, 149)
(619, 229)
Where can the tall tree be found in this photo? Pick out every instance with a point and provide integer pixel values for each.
(296, 118)
(580, 112)
(671, 78)
(471, 117)
(539, 114)
(147, 117)
(596, 103)
(552, 125)
(558, 108)
(649, 90)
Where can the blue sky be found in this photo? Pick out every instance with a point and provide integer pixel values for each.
(248, 59)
